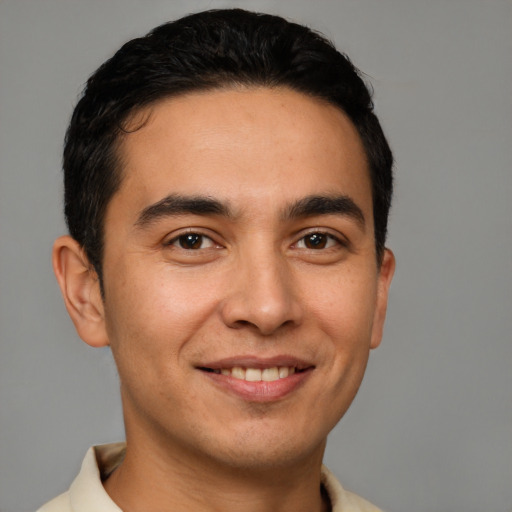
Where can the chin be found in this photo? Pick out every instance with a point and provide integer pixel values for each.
(254, 450)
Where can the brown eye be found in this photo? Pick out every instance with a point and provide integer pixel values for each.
(317, 241)
(192, 241)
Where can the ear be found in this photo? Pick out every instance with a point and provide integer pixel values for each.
(80, 289)
(386, 271)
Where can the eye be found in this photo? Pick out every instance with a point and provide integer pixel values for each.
(317, 240)
(192, 241)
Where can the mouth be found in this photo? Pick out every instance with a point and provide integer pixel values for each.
(248, 374)
(256, 379)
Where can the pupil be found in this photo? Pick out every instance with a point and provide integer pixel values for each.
(190, 241)
(316, 241)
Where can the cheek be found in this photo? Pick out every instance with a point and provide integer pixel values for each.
(149, 312)
(344, 306)
(344, 312)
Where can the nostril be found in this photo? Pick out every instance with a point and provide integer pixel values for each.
(242, 323)
(261, 328)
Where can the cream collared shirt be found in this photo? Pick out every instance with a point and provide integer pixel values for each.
(87, 494)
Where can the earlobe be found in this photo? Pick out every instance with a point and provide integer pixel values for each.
(386, 271)
(80, 289)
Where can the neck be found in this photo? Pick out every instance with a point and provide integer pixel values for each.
(152, 480)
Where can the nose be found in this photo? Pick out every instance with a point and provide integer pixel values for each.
(263, 296)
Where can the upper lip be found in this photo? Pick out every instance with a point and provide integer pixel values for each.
(257, 362)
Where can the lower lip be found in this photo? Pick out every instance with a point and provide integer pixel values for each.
(260, 391)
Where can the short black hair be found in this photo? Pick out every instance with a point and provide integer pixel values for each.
(205, 51)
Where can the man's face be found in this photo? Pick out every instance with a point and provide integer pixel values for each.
(242, 294)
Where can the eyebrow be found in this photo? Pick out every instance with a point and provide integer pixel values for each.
(174, 205)
(325, 205)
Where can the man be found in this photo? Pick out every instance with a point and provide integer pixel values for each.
(227, 187)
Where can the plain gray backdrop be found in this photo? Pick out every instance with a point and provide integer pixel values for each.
(431, 429)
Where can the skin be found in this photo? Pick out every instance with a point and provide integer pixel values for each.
(254, 286)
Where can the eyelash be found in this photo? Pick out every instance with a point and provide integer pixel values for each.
(326, 237)
(175, 241)
(323, 236)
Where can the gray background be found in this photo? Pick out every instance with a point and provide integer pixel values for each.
(431, 429)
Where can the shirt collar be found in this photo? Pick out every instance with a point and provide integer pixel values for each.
(87, 492)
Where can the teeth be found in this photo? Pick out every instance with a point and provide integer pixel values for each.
(270, 374)
(238, 373)
(256, 374)
(283, 372)
(253, 374)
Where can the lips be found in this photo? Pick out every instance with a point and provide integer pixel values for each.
(255, 374)
(258, 380)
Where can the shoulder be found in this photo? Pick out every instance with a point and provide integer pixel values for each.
(341, 499)
(59, 504)
(87, 491)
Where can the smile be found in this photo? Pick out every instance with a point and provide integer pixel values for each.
(256, 379)
(255, 374)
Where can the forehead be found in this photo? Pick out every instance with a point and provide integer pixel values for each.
(243, 144)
